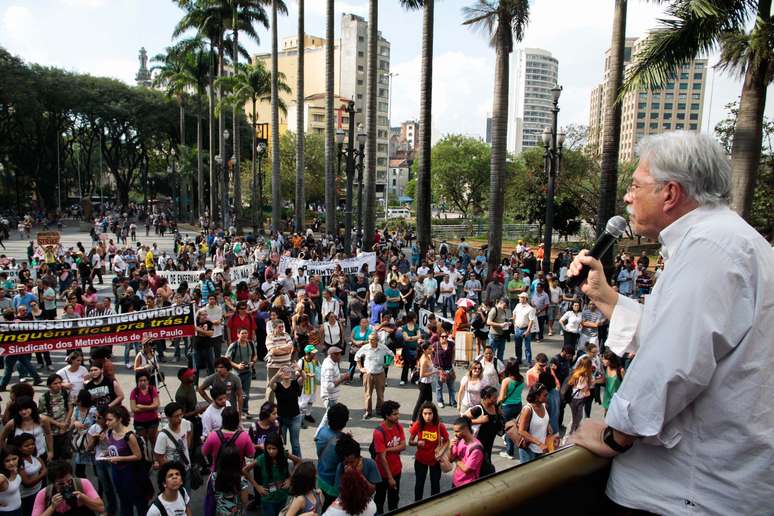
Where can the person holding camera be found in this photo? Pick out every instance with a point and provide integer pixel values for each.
(66, 494)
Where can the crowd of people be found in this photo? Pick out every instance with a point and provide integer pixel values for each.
(301, 326)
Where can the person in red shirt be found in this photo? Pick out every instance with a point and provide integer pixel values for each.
(428, 434)
(388, 441)
(241, 319)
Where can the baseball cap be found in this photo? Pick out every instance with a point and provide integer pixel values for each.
(309, 348)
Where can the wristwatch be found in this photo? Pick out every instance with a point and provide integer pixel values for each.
(609, 440)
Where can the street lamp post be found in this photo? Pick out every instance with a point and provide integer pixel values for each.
(360, 154)
(552, 142)
(224, 195)
(58, 178)
(261, 149)
(175, 180)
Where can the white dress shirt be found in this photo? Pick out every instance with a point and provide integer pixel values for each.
(571, 321)
(373, 358)
(523, 313)
(329, 375)
(699, 390)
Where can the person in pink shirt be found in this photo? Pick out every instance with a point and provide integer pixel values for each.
(228, 434)
(467, 453)
(65, 492)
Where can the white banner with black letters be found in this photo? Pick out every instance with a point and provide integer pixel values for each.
(326, 268)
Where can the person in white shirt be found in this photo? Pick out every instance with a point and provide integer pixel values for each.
(571, 324)
(174, 440)
(173, 499)
(448, 295)
(211, 418)
(430, 286)
(690, 426)
(331, 378)
(524, 320)
(371, 363)
(330, 304)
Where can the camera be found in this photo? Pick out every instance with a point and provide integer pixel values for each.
(68, 493)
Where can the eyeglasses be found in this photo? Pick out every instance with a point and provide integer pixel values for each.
(634, 187)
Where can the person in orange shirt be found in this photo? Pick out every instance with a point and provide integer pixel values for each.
(540, 253)
(460, 320)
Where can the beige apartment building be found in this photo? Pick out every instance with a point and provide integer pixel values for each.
(679, 105)
(349, 82)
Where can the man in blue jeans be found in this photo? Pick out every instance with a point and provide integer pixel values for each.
(524, 317)
(499, 325)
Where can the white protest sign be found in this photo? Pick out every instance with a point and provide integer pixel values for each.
(424, 316)
(326, 268)
(235, 275)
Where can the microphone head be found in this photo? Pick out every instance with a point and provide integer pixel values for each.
(616, 226)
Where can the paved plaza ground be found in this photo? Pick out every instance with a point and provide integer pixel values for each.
(352, 395)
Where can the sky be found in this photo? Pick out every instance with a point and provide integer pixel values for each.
(103, 37)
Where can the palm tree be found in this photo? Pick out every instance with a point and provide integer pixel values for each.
(502, 21)
(424, 174)
(330, 171)
(276, 190)
(689, 30)
(175, 78)
(198, 17)
(611, 136)
(252, 83)
(369, 215)
(300, 202)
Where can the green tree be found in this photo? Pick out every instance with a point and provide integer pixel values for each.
(691, 28)
(503, 21)
(461, 173)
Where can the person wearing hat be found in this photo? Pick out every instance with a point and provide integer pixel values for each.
(311, 368)
(371, 359)
(331, 378)
(524, 318)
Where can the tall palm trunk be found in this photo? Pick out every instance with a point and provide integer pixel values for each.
(211, 145)
(499, 137)
(424, 216)
(611, 135)
(746, 147)
(237, 181)
(199, 164)
(300, 203)
(182, 121)
(369, 215)
(222, 142)
(276, 191)
(254, 196)
(330, 171)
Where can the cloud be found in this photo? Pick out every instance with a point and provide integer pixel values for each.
(460, 105)
(19, 34)
(16, 21)
(317, 7)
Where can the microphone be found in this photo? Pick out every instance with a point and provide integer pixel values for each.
(613, 231)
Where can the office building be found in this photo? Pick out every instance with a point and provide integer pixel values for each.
(679, 105)
(350, 78)
(534, 72)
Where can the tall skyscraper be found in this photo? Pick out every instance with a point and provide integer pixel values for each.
(350, 71)
(534, 72)
(679, 105)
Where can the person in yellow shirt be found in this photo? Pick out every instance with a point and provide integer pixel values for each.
(149, 259)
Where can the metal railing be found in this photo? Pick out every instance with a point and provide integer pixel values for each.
(479, 229)
(569, 481)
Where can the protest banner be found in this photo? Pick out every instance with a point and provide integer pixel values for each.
(235, 274)
(45, 238)
(20, 337)
(424, 316)
(326, 268)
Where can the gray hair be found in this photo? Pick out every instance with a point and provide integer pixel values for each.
(694, 160)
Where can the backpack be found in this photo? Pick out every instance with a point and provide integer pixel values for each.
(225, 443)
(47, 401)
(160, 506)
(371, 447)
(179, 448)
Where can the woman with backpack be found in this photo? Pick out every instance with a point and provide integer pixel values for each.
(84, 415)
(488, 424)
(55, 405)
(144, 400)
(228, 489)
(124, 455)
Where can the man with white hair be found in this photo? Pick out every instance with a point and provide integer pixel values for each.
(691, 425)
